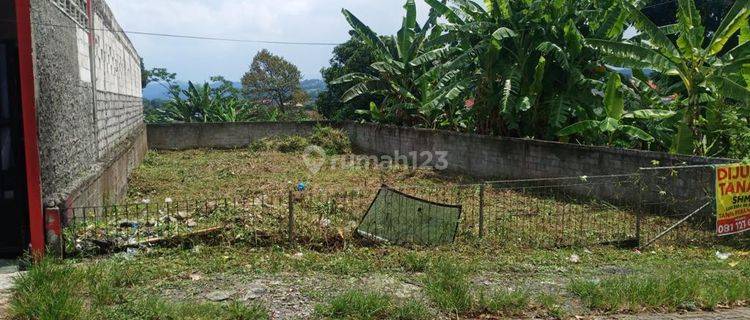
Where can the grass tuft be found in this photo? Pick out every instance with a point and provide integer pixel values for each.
(664, 290)
(448, 286)
(507, 303)
(49, 290)
(333, 141)
(363, 305)
(58, 290)
(356, 305)
(412, 310)
(414, 262)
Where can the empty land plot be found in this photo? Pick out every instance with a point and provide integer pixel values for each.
(536, 259)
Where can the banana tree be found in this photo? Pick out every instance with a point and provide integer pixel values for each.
(706, 68)
(526, 60)
(410, 97)
(612, 124)
(204, 103)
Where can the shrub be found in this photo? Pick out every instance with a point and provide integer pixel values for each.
(292, 144)
(333, 141)
(288, 144)
(261, 145)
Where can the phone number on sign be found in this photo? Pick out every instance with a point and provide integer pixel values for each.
(732, 226)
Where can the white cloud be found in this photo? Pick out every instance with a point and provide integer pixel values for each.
(276, 20)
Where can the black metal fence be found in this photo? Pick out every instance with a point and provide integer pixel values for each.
(540, 213)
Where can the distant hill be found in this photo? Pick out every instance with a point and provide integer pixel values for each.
(157, 91)
(313, 87)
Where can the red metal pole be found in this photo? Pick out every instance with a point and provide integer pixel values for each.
(28, 118)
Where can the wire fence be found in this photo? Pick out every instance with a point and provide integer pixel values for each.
(540, 213)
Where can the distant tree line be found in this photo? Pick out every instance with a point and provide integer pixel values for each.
(270, 91)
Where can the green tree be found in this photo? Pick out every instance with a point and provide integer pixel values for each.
(163, 77)
(145, 75)
(526, 61)
(707, 72)
(411, 95)
(612, 123)
(218, 101)
(352, 56)
(273, 78)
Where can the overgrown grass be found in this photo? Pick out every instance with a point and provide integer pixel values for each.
(449, 282)
(161, 309)
(60, 290)
(447, 285)
(665, 290)
(215, 174)
(506, 302)
(414, 262)
(365, 305)
(49, 290)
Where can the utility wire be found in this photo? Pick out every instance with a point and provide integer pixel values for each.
(182, 36)
(238, 40)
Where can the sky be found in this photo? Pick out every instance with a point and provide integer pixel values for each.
(273, 20)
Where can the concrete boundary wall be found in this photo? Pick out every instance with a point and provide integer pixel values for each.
(484, 157)
(183, 136)
(88, 102)
(108, 183)
(495, 158)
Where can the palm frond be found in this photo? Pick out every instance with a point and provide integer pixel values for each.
(389, 68)
(503, 33)
(690, 25)
(578, 127)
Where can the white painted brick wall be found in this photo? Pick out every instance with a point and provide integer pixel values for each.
(119, 108)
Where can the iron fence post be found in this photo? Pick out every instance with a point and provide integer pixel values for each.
(290, 227)
(638, 217)
(481, 210)
(639, 209)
